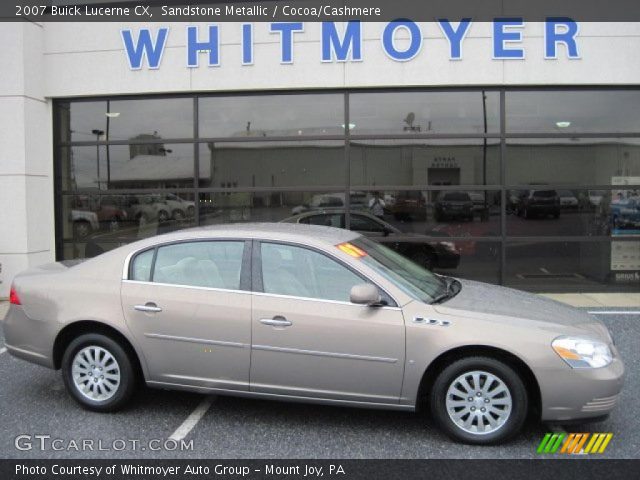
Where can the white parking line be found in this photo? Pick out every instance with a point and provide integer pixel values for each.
(193, 419)
(2, 350)
(612, 312)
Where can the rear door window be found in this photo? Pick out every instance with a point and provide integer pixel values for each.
(212, 264)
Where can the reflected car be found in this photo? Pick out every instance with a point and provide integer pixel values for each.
(568, 199)
(539, 203)
(147, 208)
(358, 200)
(313, 314)
(419, 248)
(453, 205)
(84, 223)
(179, 209)
(408, 205)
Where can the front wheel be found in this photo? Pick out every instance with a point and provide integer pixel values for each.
(479, 400)
(98, 373)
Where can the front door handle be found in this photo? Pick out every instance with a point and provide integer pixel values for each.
(149, 307)
(276, 322)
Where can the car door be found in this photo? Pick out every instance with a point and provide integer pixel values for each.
(309, 340)
(188, 306)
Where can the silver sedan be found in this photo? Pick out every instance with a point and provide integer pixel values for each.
(314, 314)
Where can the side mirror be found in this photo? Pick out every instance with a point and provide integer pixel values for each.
(365, 294)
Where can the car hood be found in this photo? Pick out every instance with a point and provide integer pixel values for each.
(509, 305)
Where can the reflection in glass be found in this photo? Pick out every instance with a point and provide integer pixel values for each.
(450, 213)
(221, 208)
(90, 222)
(152, 165)
(271, 115)
(424, 112)
(573, 112)
(572, 161)
(425, 162)
(272, 164)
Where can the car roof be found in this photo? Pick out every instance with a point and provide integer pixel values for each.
(331, 211)
(291, 232)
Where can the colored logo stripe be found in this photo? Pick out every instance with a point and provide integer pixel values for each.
(598, 443)
(574, 443)
(550, 443)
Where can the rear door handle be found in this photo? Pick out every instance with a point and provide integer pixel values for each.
(276, 322)
(148, 307)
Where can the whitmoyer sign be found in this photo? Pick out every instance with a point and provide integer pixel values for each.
(401, 40)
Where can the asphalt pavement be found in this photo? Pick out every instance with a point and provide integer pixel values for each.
(35, 407)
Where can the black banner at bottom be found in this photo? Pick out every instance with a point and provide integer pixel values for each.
(538, 469)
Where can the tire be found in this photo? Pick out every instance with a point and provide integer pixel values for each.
(178, 215)
(104, 400)
(81, 229)
(163, 216)
(427, 260)
(556, 214)
(508, 419)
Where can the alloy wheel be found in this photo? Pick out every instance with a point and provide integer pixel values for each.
(95, 373)
(478, 402)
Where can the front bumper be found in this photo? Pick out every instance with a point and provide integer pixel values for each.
(576, 394)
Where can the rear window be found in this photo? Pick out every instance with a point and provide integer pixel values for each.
(456, 197)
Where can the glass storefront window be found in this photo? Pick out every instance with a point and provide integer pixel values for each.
(152, 165)
(129, 120)
(410, 113)
(568, 167)
(405, 162)
(272, 164)
(572, 161)
(573, 112)
(265, 116)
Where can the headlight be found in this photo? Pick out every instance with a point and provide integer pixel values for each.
(582, 352)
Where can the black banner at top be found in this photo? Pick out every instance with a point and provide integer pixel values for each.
(316, 10)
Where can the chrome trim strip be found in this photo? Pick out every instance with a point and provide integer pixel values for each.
(324, 354)
(196, 340)
(286, 398)
(310, 299)
(262, 294)
(194, 287)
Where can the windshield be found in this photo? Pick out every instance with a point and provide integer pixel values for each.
(416, 281)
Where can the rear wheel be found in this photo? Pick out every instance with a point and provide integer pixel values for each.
(479, 400)
(98, 373)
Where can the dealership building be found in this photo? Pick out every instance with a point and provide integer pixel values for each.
(512, 146)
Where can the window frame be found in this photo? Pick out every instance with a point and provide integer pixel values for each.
(245, 266)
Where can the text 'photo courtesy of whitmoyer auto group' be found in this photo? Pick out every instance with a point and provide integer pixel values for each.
(288, 239)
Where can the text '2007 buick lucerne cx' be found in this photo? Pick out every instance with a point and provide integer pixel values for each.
(316, 314)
